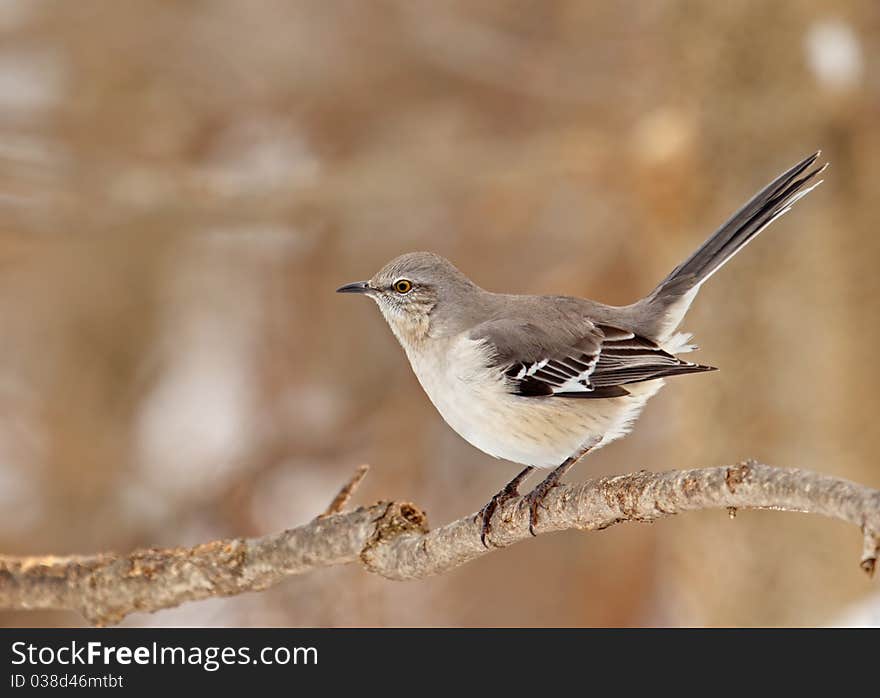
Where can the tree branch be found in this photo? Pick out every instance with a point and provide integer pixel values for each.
(343, 497)
(392, 538)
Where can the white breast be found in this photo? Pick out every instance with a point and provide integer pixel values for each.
(455, 376)
(543, 432)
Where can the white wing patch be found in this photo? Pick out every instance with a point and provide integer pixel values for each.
(531, 369)
(567, 375)
(622, 358)
(580, 381)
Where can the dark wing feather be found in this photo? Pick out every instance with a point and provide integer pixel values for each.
(637, 359)
(595, 361)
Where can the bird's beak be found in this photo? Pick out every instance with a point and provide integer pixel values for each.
(356, 287)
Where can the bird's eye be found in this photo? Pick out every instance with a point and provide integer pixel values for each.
(403, 286)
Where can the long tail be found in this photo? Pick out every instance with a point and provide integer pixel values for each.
(663, 310)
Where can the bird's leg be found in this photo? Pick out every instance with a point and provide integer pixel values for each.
(509, 491)
(535, 498)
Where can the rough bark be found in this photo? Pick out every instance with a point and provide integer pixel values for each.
(392, 539)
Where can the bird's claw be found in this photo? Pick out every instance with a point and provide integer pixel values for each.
(485, 514)
(535, 499)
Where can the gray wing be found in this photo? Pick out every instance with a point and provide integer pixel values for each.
(588, 360)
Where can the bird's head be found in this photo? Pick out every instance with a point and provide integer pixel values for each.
(414, 293)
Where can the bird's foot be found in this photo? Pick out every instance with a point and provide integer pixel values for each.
(535, 498)
(484, 516)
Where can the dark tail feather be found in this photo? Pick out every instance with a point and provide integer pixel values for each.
(766, 206)
(743, 226)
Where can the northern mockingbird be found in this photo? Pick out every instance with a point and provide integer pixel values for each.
(542, 380)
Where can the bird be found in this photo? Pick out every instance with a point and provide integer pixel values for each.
(542, 380)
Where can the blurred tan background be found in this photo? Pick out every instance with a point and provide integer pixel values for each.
(184, 185)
